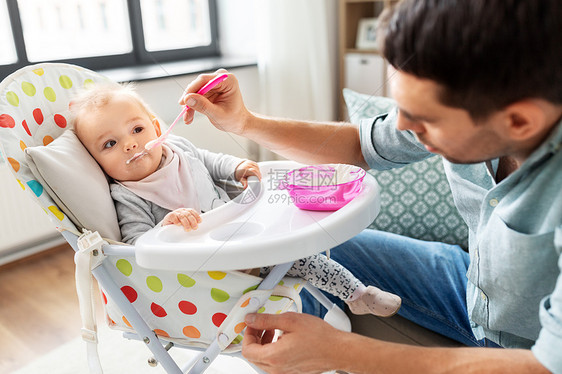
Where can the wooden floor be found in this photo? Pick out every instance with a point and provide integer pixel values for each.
(38, 306)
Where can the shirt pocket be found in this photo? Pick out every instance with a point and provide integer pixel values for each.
(518, 263)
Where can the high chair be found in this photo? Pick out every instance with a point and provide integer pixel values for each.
(169, 289)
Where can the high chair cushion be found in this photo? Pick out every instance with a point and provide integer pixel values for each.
(187, 307)
(76, 183)
(34, 111)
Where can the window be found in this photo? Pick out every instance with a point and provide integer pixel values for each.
(8, 55)
(175, 24)
(102, 34)
(63, 29)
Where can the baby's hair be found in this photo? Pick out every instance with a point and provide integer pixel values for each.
(96, 96)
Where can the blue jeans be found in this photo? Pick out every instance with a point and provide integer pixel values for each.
(430, 277)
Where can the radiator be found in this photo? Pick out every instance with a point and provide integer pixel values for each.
(24, 226)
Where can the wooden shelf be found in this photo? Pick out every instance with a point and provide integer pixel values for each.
(366, 1)
(365, 51)
(350, 14)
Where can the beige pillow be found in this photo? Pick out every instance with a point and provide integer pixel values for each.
(76, 183)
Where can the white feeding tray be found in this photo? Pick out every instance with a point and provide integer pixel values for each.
(260, 227)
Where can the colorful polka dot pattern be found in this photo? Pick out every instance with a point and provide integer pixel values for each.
(185, 306)
(33, 112)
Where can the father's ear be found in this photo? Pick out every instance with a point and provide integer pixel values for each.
(527, 119)
(156, 126)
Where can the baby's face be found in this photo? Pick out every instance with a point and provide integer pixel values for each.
(114, 133)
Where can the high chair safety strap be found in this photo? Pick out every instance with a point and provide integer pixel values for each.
(88, 257)
(77, 233)
(290, 293)
(234, 322)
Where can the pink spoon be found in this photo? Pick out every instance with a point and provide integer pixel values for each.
(156, 142)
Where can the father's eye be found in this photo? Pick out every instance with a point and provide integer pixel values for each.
(138, 129)
(109, 144)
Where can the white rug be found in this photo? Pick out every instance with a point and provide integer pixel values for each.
(121, 356)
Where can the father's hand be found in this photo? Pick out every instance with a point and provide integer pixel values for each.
(307, 345)
(223, 104)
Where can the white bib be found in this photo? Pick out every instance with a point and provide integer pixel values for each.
(171, 186)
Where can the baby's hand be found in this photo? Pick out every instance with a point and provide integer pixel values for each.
(186, 217)
(247, 169)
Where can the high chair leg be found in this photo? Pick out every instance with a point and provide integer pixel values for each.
(257, 369)
(335, 316)
(275, 276)
(144, 332)
(204, 360)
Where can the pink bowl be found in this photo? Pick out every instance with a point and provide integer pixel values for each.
(324, 187)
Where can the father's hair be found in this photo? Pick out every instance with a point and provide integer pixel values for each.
(486, 54)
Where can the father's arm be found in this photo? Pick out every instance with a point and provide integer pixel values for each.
(400, 358)
(304, 141)
(310, 345)
(307, 141)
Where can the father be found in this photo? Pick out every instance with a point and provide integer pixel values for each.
(480, 83)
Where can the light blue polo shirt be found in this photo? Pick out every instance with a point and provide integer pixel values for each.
(514, 292)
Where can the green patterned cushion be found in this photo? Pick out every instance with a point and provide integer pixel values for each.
(416, 200)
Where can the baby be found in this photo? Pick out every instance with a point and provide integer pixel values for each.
(175, 182)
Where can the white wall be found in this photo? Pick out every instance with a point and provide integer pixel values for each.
(24, 226)
(237, 27)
